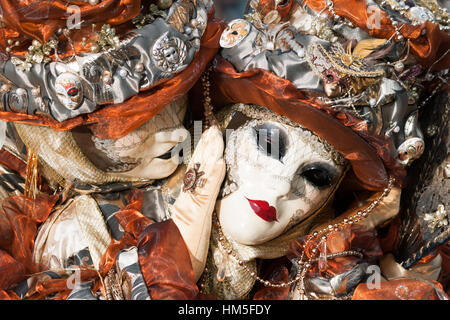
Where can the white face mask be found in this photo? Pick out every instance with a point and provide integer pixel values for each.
(69, 90)
(288, 185)
(147, 152)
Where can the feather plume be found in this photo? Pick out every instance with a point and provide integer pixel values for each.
(366, 47)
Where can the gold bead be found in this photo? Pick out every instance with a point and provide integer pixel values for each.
(164, 4)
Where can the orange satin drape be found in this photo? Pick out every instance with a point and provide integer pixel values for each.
(41, 19)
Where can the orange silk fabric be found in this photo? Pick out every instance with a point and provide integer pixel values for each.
(368, 154)
(163, 255)
(427, 49)
(40, 20)
(348, 238)
(13, 163)
(403, 289)
(115, 121)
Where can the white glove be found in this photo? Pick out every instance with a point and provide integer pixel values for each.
(192, 211)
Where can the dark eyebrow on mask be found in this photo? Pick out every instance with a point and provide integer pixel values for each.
(272, 140)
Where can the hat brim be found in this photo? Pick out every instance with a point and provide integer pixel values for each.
(369, 156)
(116, 121)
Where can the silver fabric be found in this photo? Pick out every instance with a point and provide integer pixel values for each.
(338, 286)
(286, 64)
(399, 118)
(136, 50)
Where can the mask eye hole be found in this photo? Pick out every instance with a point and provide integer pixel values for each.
(284, 3)
(72, 92)
(271, 140)
(320, 175)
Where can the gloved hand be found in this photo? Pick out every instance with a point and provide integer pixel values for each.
(192, 211)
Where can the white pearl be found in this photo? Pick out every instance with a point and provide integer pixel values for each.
(107, 79)
(93, 2)
(372, 102)
(139, 67)
(397, 129)
(20, 92)
(123, 73)
(35, 92)
(399, 66)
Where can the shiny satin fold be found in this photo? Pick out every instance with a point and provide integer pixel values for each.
(163, 255)
(165, 263)
(40, 20)
(401, 289)
(427, 49)
(133, 222)
(11, 162)
(115, 121)
(369, 155)
(348, 238)
(24, 215)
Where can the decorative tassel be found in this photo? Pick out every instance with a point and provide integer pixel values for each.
(32, 182)
(222, 268)
(323, 257)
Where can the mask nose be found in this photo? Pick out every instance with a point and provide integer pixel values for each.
(269, 190)
(176, 136)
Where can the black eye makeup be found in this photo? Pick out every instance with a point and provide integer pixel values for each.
(284, 3)
(320, 175)
(272, 140)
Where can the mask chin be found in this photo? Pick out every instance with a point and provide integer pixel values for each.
(240, 223)
(154, 169)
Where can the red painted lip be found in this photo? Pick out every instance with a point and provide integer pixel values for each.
(263, 210)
